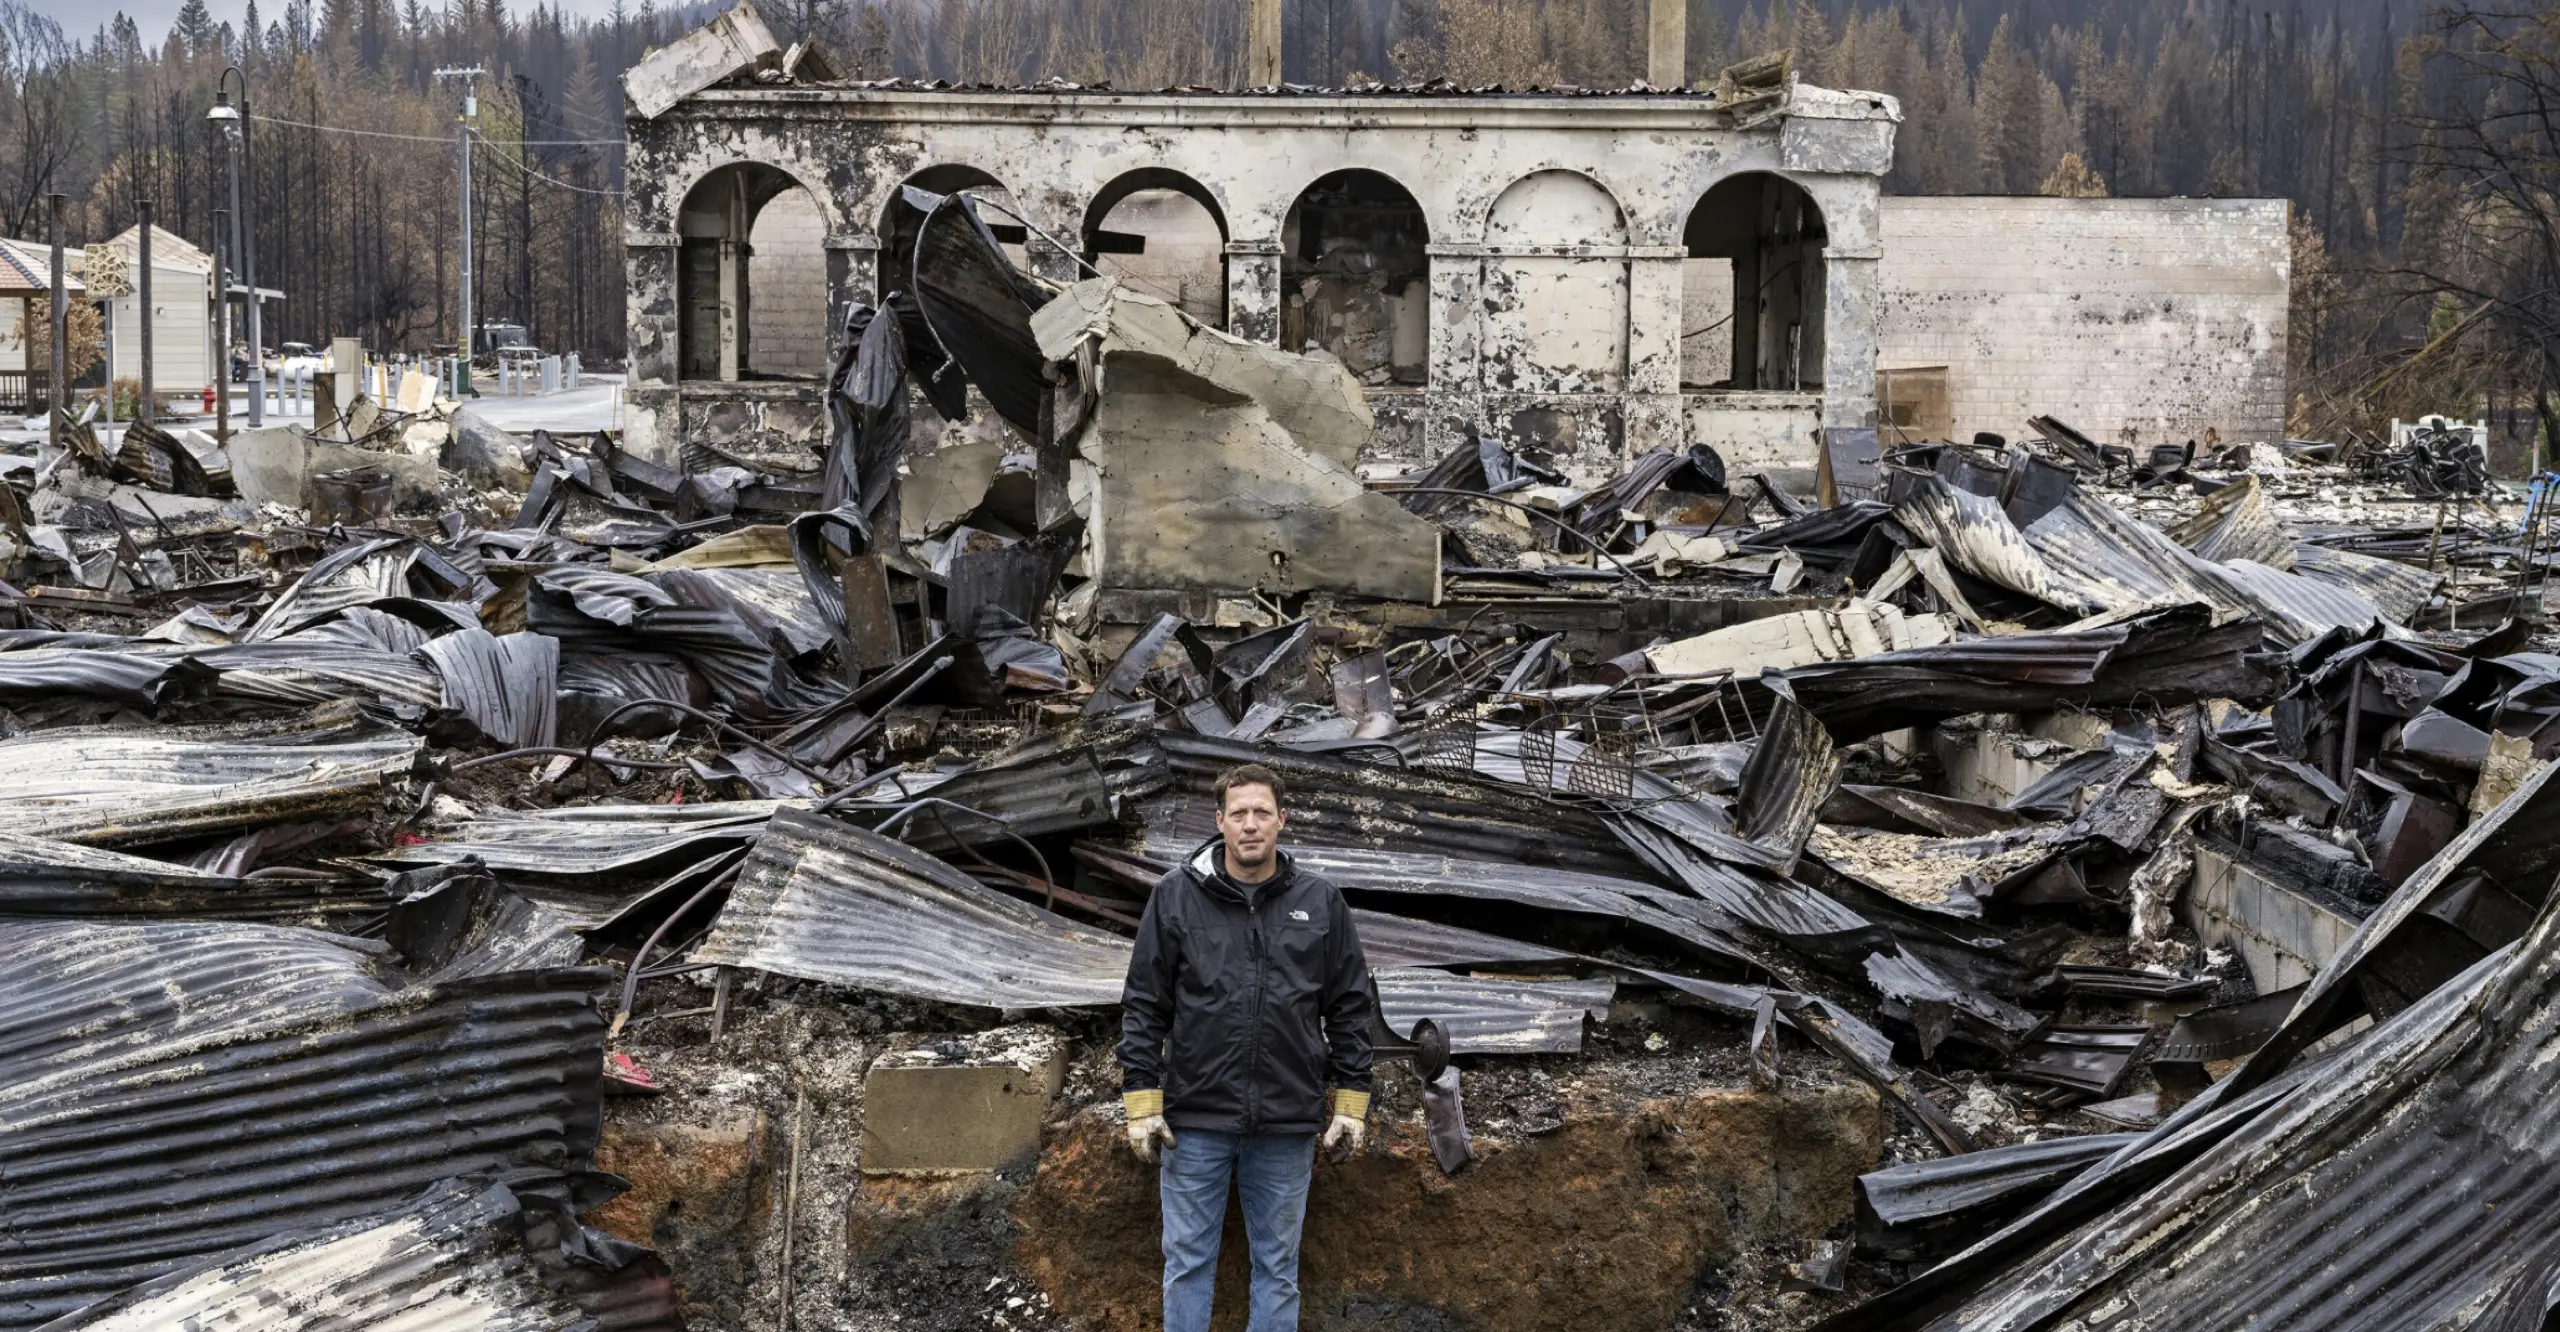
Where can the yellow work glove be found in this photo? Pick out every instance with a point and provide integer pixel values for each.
(1350, 1126)
(1147, 1130)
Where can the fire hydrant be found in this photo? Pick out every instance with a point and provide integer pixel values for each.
(208, 399)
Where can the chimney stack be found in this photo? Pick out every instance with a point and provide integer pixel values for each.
(1262, 45)
(1666, 45)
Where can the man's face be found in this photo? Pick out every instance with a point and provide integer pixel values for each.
(1251, 822)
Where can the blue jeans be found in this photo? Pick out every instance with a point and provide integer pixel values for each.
(1272, 1171)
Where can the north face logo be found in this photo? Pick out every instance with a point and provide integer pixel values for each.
(1297, 915)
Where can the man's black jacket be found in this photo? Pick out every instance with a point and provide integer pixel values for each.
(1243, 999)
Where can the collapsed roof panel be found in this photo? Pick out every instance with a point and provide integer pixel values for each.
(443, 1262)
(171, 1092)
(117, 785)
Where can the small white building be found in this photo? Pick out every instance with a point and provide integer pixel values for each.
(181, 317)
(181, 299)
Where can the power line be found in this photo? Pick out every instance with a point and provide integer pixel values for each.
(547, 180)
(440, 139)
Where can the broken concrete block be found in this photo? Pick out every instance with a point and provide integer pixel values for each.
(961, 1103)
(1222, 465)
(1310, 396)
(729, 44)
(943, 484)
(484, 454)
(276, 465)
(2509, 764)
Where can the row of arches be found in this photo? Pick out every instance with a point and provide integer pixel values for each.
(1355, 273)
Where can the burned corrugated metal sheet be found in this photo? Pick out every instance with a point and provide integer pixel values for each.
(1791, 773)
(1773, 903)
(355, 575)
(46, 665)
(449, 1260)
(2234, 523)
(1975, 536)
(2166, 657)
(1402, 874)
(979, 307)
(292, 670)
(1906, 1211)
(594, 839)
(2299, 605)
(507, 688)
(2400, 590)
(1484, 1015)
(170, 1092)
(1424, 809)
(115, 785)
(2411, 1187)
(40, 876)
(1401, 941)
(823, 900)
(1046, 786)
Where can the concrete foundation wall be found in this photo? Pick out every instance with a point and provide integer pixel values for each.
(2136, 320)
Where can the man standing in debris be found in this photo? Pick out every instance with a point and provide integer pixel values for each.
(1246, 995)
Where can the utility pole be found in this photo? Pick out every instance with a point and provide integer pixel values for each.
(234, 124)
(462, 143)
(145, 409)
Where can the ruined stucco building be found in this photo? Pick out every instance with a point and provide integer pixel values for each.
(1510, 263)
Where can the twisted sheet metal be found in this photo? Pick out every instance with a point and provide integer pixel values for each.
(40, 876)
(170, 1092)
(1414, 874)
(508, 688)
(1339, 803)
(2235, 523)
(112, 785)
(2403, 1181)
(594, 839)
(825, 901)
(2399, 590)
(1484, 1015)
(1975, 536)
(447, 1261)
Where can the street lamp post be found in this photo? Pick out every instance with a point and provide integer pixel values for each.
(234, 124)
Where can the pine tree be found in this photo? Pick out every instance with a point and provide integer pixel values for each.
(195, 27)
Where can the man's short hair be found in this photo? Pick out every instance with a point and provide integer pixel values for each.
(1249, 774)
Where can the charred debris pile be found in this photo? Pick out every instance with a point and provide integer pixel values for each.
(339, 855)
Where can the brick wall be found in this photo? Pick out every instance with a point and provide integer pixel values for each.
(2152, 320)
(787, 288)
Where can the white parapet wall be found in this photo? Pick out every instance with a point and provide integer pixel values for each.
(2136, 320)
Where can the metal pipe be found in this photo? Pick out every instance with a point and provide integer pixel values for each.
(639, 960)
(603, 729)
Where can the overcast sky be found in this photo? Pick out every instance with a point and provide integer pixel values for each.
(81, 19)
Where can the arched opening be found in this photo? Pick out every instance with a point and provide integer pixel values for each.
(900, 220)
(1555, 313)
(1768, 235)
(751, 277)
(1163, 233)
(1355, 277)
